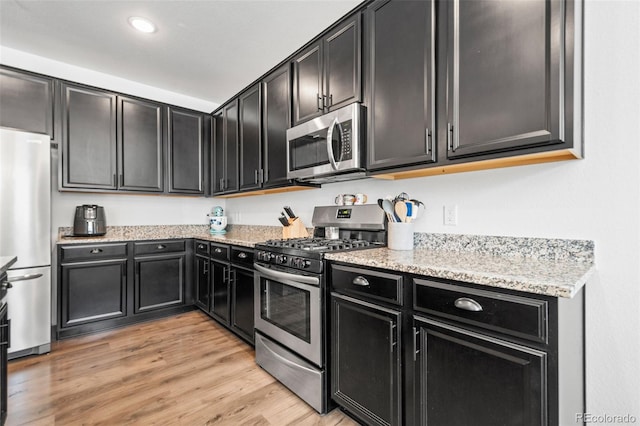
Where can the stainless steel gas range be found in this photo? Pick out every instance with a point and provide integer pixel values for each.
(291, 297)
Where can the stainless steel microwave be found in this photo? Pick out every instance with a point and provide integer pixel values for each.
(328, 148)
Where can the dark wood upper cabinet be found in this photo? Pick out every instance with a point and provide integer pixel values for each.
(225, 148)
(276, 95)
(307, 84)
(26, 102)
(504, 75)
(88, 138)
(250, 138)
(327, 75)
(186, 153)
(401, 101)
(141, 145)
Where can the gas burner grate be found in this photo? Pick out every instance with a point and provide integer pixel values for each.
(318, 244)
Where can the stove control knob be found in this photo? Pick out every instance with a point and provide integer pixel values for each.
(306, 263)
(281, 259)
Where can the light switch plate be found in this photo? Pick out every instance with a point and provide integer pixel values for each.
(451, 215)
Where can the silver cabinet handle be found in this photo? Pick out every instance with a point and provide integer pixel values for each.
(242, 255)
(467, 304)
(161, 247)
(95, 251)
(320, 102)
(218, 250)
(361, 281)
(200, 246)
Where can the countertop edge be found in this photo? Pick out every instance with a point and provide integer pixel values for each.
(6, 262)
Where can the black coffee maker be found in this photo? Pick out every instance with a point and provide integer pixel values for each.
(89, 221)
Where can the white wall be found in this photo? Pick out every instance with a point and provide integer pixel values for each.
(39, 64)
(597, 198)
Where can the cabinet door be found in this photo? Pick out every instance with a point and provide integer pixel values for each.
(250, 136)
(92, 291)
(186, 151)
(26, 102)
(231, 147)
(88, 138)
(4, 358)
(307, 84)
(365, 360)
(466, 378)
(276, 91)
(401, 89)
(202, 283)
(342, 65)
(503, 84)
(140, 145)
(242, 295)
(220, 291)
(218, 155)
(159, 282)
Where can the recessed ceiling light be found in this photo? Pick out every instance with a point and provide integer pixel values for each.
(142, 24)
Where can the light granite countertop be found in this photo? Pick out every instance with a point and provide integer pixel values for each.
(552, 267)
(6, 262)
(557, 278)
(241, 235)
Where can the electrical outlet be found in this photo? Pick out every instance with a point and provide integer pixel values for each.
(451, 215)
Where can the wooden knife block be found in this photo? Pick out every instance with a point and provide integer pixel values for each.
(296, 229)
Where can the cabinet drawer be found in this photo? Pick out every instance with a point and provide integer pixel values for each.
(219, 251)
(504, 313)
(242, 256)
(202, 247)
(93, 251)
(376, 285)
(154, 247)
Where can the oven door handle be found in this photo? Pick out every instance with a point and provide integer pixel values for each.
(278, 275)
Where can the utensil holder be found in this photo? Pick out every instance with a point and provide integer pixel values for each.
(400, 236)
(296, 229)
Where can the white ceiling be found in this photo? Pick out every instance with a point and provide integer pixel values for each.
(207, 49)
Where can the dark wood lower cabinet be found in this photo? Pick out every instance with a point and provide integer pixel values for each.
(466, 378)
(202, 289)
(159, 282)
(220, 291)
(224, 286)
(446, 353)
(4, 348)
(93, 291)
(242, 296)
(102, 286)
(365, 360)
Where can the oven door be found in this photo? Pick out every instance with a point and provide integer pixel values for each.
(288, 310)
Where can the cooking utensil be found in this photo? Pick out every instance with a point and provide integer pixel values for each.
(387, 206)
(401, 211)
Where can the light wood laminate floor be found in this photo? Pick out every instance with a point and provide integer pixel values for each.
(182, 370)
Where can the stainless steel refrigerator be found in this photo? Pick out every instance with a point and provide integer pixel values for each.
(25, 231)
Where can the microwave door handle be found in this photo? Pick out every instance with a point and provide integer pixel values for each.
(332, 158)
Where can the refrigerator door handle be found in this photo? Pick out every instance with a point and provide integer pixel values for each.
(22, 278)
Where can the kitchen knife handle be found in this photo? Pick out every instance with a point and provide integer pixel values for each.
(289, 212)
